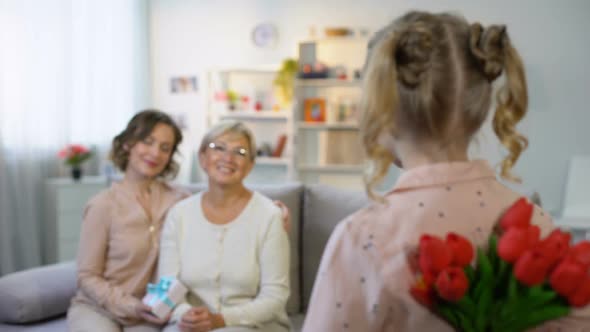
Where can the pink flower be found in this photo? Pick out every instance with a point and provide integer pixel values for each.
(74, 154)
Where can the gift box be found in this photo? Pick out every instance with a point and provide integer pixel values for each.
(164, 296)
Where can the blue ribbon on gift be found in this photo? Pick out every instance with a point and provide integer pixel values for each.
(160, 291)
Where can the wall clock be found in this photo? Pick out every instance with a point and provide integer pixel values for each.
(265, 35)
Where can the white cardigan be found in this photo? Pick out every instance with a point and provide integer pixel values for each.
(240, 269)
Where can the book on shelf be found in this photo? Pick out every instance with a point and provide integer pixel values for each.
(278, 151)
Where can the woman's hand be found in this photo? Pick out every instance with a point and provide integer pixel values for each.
(200, 319)
(285, 215)
(144, 312)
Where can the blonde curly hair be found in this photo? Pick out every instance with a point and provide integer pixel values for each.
(430, 76)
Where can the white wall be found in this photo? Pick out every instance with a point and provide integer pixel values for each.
(188, 37)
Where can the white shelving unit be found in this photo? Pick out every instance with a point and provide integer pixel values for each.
(267, 121)
(326, 82)
(327, 126)
(342, 168)
(329, 152)
(256, 115)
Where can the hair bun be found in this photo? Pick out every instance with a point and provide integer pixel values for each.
(487, 46)
(413, 53)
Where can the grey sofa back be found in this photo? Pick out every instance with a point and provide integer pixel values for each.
(323, 208)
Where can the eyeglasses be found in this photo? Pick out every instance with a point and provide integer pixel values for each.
(222, 149)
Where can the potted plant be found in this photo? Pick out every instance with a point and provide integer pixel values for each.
(284, 82)
(74, 155)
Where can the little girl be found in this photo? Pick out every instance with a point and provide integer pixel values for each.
(427, 91)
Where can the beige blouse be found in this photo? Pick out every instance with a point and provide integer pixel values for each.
(119, 245)
(363, 281)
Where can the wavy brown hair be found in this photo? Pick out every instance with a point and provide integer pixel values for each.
(139, 128)
(429, 77)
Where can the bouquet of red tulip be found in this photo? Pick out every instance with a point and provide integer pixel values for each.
(518, 282)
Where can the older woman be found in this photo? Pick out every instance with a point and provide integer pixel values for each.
(227, 244)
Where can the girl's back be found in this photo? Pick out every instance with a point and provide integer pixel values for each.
(370, 249)
(427, 91)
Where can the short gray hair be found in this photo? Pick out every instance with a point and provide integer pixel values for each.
(229, 126)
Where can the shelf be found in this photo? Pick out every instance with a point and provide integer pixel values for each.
(86, 179)
(328, 126)
(331, 168)
(336, 40)
(326, 82)
(260, 69)
(252, 115)
(272, 161)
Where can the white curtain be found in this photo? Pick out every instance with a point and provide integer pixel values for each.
(71, 71)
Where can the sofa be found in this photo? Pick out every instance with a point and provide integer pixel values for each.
(37, 299)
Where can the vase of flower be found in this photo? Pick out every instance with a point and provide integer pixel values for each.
(74, 155)
(76, 173)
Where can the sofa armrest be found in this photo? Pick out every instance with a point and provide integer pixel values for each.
(38, 293)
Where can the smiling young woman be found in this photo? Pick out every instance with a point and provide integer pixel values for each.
(121, 229)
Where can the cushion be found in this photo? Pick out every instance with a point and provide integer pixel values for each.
(38, 293)
(53, 325)
(324, 207)
(291, 195)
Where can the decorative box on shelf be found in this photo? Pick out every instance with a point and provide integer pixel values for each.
(65, 200)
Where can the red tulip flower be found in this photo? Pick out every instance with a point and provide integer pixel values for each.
(581, 253)
(461, 248)
(434, 255)
(531, 268)
(518, 215)
(567, 277)
(452, 284)
(581, 297)
(514, 243)
(555, 246)
(423, 293)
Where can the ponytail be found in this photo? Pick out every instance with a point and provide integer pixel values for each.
(492, 48)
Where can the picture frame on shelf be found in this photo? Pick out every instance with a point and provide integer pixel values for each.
(184, 84)
(314, 110)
